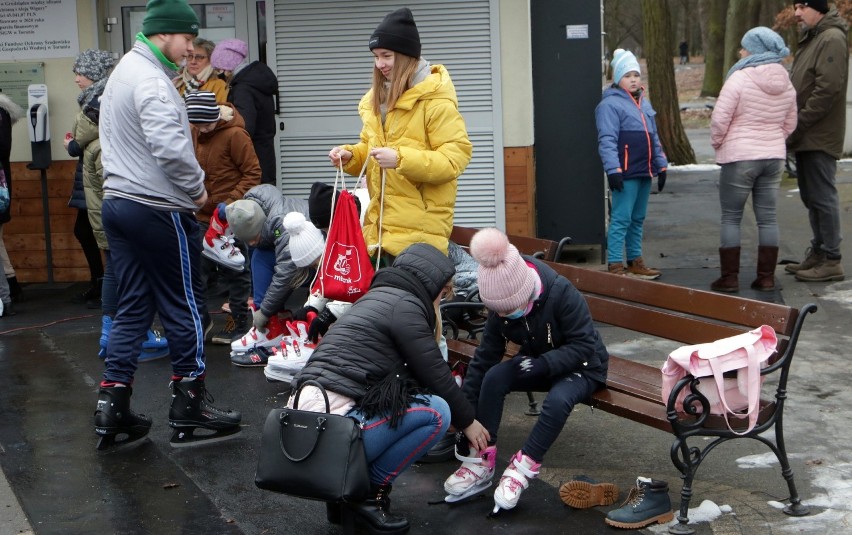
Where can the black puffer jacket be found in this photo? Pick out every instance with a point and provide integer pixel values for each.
(252, 91)
(559, 329)
(390, 330)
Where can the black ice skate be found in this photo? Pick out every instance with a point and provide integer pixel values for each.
(190, 411)
(115, 423)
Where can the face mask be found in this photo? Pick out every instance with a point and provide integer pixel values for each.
(516, 314)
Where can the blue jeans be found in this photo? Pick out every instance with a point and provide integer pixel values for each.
(262, 269)
(390, 451)
(759, 178)
(563, 393)
(626, 220)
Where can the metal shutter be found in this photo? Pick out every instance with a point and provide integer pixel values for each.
(324, 68)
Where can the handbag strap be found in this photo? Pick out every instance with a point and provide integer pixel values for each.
(753, 379)
(316, 384)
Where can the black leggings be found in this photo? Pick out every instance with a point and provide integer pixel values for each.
(86, 236)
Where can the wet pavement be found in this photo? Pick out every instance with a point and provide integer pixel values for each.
(49, 370)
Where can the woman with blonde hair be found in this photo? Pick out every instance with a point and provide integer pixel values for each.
(198, 74)
(413, 140)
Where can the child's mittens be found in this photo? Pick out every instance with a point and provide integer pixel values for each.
(616, 181)
(661, 180)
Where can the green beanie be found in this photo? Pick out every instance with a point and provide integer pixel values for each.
(169, 16)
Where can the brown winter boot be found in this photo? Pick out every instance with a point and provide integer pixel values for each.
(767, 257)
(729, 260)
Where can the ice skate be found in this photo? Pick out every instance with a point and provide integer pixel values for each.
(514, 481)
(473, 476)
(190, 411)
(155, 346)
(269, 338)
(115, 423)
(218, 244)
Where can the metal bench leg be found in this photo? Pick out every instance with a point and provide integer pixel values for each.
(796, 507)
(533, 410)
(686, 460)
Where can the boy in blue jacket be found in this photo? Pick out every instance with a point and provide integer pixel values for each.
(631, 154)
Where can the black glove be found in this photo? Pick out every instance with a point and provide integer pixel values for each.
(616, 181)
(302, 313)
(529, 368)
(661, 180)
(320, 325)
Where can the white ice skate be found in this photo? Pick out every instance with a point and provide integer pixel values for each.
(269, 338)
(473, 476)
(514, 481)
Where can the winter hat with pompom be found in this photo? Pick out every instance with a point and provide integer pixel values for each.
(506, 283)
(306, 242)
(623, 62)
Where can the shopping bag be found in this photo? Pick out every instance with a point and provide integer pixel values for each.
(737, 397)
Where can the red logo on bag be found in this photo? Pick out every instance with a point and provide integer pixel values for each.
(344, 263)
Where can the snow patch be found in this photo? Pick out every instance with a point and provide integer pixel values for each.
(694, 167)
(708, 511)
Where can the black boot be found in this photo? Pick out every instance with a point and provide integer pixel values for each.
(114, 418)
(375, 511)
(15, 289)
(190, 411)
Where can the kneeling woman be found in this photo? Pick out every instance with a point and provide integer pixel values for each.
(380, 364)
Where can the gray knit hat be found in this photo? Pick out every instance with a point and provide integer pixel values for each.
(93, 64)
(246, 219)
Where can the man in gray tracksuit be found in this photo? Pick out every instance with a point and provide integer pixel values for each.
(152, 187)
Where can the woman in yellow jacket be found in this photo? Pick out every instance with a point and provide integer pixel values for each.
(414, 135)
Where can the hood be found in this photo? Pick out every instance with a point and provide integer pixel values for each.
(436, 85)
(429, 265)
(832, 19)
(15, 112)
(617, 92)
(772, 79)
(258, 76)
(230, 118)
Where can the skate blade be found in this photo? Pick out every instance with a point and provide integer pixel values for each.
(494, 512)
(119, 442)
(185, 436)
(154, 354)
(239, 268)
(473, 492)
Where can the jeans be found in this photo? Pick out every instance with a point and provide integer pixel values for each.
(816, 170)
(761, 179)
(390, 451)
(563, 393)
(262, 269)
(626, 219)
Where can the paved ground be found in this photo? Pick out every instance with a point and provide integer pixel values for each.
(58, 484)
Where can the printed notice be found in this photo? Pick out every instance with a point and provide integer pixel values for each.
(577, 31)
(38, 29)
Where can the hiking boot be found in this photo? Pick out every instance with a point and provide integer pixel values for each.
(647, 502)
(616, 268)
(638, 269)
(232, 331)
(729, 264)
(813, 256)
(515, 480)
(583, 492)
(825, 271)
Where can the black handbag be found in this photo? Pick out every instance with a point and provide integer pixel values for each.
(314, 455)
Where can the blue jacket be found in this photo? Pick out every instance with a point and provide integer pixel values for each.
(627, 137)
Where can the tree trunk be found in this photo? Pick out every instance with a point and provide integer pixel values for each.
(656, 23)
(713, 15)
(740, 15)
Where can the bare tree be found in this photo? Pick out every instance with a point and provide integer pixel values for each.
(656, 23)
(713, 14)
(742, 16)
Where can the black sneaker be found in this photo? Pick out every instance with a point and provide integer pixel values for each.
(257, 357)
(226, 335)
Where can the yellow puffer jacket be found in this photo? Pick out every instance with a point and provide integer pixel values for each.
(429, 134)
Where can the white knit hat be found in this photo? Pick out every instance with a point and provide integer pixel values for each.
(306, 241)
(506, 282)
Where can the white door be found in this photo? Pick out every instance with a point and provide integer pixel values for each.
(219, 20)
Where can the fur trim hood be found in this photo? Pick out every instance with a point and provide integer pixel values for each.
(15, 111)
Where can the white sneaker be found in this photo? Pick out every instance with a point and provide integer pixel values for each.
(515, 480)
(271, 337)
(473, 476)
(220, 248)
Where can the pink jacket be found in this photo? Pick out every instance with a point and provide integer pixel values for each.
(754, 114)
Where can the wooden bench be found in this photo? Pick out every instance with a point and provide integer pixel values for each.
(540, 248)
(683, 316)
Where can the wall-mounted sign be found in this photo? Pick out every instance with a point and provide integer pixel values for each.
(38, 29)
(16, 77)
(577, 31)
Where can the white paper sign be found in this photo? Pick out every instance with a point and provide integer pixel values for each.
(38, 29)
(577, 31)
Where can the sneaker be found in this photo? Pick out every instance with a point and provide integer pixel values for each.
(616, 268)
(231, 331)
(515, 480)
(257, 357)
(583, 492)
(647, 502)
(474, 475)
(253, 338)
(218, 245)
(638, 269)
(825, 271)
(812, 258)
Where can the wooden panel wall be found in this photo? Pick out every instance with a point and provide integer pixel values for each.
(519, 170)
(24, 234)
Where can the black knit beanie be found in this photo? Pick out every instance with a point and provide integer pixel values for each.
(397, 32)
(319, 204)
(818, 5)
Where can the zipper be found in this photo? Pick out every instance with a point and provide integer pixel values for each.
(626, 157)
(549, 335)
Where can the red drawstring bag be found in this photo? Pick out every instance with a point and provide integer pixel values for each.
(345, 271)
